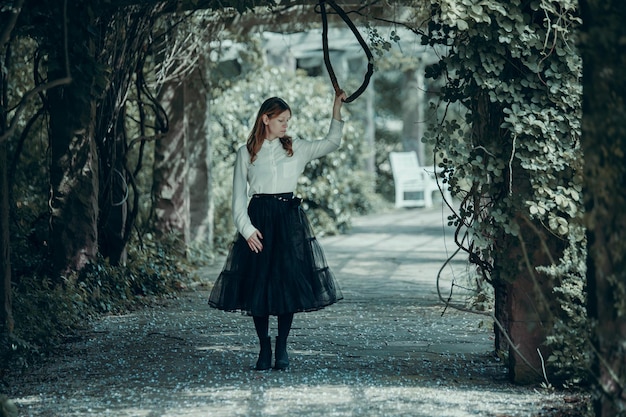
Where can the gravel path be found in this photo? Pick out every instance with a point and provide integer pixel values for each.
(385, 350)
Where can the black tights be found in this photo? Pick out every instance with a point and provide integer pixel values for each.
(262, 324)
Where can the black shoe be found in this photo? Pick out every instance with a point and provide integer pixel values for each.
(265, 355)
(282, 359)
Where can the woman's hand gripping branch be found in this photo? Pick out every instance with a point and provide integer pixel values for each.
(340, 97)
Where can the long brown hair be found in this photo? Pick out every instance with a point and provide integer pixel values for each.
(271, 107)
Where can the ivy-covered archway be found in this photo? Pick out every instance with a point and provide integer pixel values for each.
(515, 164)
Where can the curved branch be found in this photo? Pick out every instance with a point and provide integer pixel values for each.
(126, 191)
(24, 100)
(357, 35)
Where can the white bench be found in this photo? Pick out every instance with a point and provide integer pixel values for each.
(414, 184)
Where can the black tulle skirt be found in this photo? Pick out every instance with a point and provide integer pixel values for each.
(289, 275)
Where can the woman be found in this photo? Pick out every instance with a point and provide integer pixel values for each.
(275, 267)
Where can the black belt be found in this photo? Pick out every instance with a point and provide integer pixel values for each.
(286, 197)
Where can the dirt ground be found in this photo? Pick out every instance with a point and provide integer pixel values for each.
(385, 350)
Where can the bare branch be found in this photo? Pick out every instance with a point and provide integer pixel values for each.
(145, 139)
(40, 88)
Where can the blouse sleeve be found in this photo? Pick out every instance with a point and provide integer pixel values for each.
(314, 149)
(240, 194)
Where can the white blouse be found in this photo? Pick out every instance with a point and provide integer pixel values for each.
(273, 172)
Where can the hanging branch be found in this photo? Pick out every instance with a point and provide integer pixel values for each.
(357, 35)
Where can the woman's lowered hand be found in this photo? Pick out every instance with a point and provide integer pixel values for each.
(254, 242)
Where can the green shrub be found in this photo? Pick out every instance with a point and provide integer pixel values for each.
(46, 312)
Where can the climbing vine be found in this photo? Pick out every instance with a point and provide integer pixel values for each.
(514, 161)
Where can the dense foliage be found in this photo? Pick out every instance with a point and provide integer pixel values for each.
(46, 312)
(46, 305)
(515, 68)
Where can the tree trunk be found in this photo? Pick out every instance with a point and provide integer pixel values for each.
(170, 191)
(604, 142)
(522, 297)
(73, 180)
(114, 198)
(199, 144)
(370, 132)
(6, 314)
(6, 310)
(527, 311)
(73, 201)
